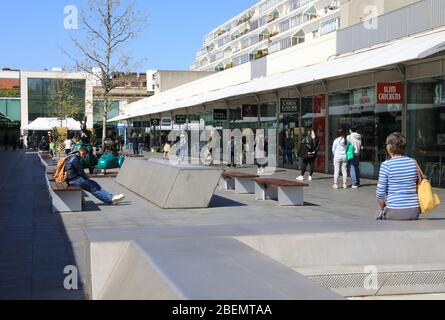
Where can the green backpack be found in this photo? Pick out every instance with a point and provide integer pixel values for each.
(350, 152)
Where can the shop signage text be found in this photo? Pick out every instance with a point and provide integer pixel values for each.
(181, 119)
(220, 114)
(390, 93)
(250, 111)
(289, 105)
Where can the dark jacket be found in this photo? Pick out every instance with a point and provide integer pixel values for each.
(308, 145)
(73, 168)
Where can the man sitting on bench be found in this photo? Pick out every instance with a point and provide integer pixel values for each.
(76, 177)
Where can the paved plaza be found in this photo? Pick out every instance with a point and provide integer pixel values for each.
(36, 244)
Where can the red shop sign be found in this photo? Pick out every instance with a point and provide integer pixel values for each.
(390, 93)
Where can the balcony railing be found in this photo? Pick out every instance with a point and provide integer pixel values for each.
(269, 4)
(415, 18)
(295, 4)
(329, 26)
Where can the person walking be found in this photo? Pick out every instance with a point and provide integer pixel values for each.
(261, 152)
(231, 150)
(183, 146)
(339, 149)
(14, 142)
(135, 144)
(76, 177)
(6, 141)
(68, 146)
(52, 148)
(22, 142)
(355, 139)
(397, 187)
(307, 152)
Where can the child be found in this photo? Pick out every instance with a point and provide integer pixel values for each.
(167, 148)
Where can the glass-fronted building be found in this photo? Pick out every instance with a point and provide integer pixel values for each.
(44, 95)
(55, 94)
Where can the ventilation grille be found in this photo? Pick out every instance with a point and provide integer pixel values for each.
(428, 281)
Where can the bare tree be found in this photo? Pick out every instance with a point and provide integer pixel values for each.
(109, 26)
(63, 101)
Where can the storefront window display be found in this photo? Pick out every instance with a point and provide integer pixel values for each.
(289, 133)
(426, 126)
(358, 108)
(313, 115)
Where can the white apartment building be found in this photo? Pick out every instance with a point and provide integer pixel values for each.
(265, 28)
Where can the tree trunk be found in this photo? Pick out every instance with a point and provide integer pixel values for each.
(105, 118)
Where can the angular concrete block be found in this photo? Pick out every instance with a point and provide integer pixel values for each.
(170, 186)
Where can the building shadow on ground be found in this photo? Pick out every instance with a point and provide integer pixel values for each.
(221, 202)
(308, 204)
(35, 240)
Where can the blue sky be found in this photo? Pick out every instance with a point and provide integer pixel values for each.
(33, 32)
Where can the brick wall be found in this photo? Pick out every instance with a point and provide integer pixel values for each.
(9, 83)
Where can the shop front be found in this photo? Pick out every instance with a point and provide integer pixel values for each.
(374, 121)
(426, 126)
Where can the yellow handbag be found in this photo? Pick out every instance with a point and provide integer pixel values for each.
(428, 199)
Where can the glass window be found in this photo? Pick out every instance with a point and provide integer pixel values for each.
(13, 109)
(426, 126)
(35, 88)
(113, 110)
(44, 96)
(3, 106)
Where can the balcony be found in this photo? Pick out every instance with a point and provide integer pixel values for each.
(260, 54)
(295, 4)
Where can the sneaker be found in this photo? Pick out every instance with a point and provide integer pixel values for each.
(300, 178)
(354, 187)
(310, 178)
(345, 186)
(335, 186)
(118, 198)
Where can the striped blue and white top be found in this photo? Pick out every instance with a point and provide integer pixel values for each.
(398, 183)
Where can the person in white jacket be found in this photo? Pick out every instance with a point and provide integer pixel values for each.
(339, 149)
(354, 164)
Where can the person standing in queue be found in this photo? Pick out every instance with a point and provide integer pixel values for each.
(307, 152)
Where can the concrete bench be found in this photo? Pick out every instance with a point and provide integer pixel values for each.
(288, 193)
(65, 198)
(241, 182)
(134, 156)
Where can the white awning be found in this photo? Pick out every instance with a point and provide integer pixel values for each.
(46, 124)
(412, 48)
(5, 118)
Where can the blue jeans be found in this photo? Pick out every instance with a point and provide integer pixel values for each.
(94, 188)
(354, 165)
